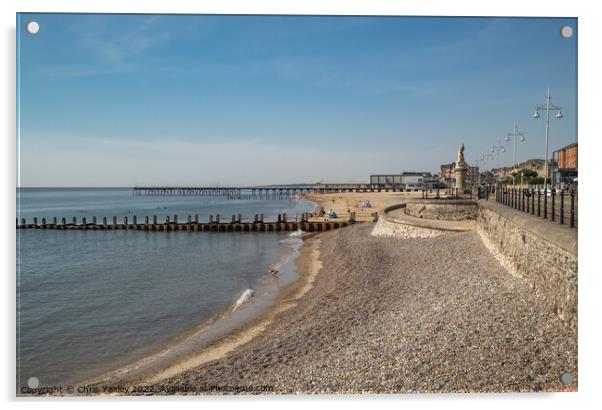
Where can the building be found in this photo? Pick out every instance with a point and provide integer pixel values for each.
(565, 162)
(415, 180)
(386, 181)
(537, 165)
(405, 180)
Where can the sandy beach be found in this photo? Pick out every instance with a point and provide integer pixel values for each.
(346, 202)
(382, 315)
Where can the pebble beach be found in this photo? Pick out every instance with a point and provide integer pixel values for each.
(386, 315)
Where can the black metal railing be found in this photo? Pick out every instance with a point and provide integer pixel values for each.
(559, 206)
(446, 193)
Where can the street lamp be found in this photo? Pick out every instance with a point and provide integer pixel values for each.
(547, 108)
(485, 157)
(497, 149)
(513, 135)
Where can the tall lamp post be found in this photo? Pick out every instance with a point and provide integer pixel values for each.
(514, 134)
(484, 159)
(547, 108)
(497, 149)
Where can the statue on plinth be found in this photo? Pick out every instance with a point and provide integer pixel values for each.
(460, 170)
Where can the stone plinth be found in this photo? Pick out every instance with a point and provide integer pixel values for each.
(460, 177)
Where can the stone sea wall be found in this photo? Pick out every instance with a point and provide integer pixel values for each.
(391, 229)
(449, 210)
(543, 253)
(388, 226)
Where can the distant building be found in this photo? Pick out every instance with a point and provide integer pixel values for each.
(537, 165)
(415, 180)
(405, 180)
(386, 181)
(566, 165)
(447, 173)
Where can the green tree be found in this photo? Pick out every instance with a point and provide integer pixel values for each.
(527, 173)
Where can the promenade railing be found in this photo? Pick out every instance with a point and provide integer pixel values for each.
(446, 193)
(559, 206)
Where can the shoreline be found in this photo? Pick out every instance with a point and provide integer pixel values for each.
(156, 366)
(306, 264)
(220, 324)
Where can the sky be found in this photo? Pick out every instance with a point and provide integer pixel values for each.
(125, 100)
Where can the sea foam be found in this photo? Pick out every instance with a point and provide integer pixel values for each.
(244, 298)
(296, 233)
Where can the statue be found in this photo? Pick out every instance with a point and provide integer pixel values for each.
(461, 169)
(460, 155)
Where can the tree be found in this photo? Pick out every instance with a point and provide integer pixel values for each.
(527, 173)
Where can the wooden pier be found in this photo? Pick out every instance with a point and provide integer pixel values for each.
(257, 192)
(235, 224)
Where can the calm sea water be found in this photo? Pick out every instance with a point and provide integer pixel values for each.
(90, 301)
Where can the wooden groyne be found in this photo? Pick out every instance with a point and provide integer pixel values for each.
(235, 224)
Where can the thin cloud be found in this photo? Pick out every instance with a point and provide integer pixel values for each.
(109, 162)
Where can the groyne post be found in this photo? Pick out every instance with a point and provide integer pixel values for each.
(74, 220)
(63, 221)
(217, 218)
(154, 219)
(196, 218)
(104, 221)
(54, 221)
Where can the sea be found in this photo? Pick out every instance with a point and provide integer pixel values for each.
(90, 301)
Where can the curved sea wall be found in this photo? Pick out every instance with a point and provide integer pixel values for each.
(445, 209)
(390, 226)
(543, 253)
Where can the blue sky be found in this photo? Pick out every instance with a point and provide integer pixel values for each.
(121, 100)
